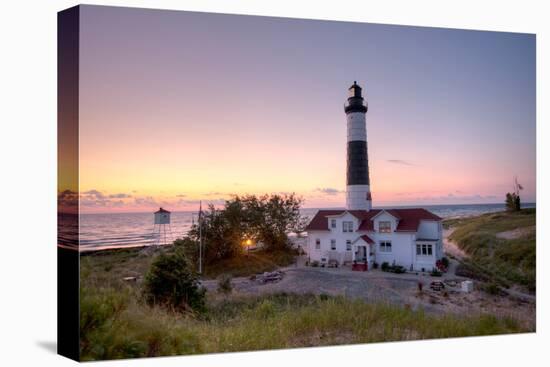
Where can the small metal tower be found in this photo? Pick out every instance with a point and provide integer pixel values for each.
(162, 219)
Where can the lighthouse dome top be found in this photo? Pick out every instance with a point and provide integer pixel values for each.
(355, 102)
(355, 90)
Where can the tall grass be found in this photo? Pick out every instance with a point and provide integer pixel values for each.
(504, 260)
(253, 263)
(115, 325)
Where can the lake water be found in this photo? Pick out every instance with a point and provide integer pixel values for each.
(115, 230)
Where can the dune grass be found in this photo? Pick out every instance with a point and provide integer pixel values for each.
(115, 324)
(110, 266)
(253, 263)
(505, 261)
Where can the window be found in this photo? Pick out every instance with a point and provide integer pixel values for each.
(384, 227)
(348, 245)
(424, 249)
(333, 244)
(317, 244)
(347, 226)
(333, 223)
(385, 246)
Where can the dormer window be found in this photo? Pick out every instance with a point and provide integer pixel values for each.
(384, 227)
(347, 226)
(333, 223)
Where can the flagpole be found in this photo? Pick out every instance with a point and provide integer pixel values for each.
(200, 237)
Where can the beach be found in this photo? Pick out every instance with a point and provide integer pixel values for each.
(127, 230)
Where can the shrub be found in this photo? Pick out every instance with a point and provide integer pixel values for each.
(265, 309)
(398, 269)
(266, 219)
(315, 263)
(385, 266)
(224, 284)
(445, 261)
(491, 288)
(436, 273)
(375, 265)
(170, 282)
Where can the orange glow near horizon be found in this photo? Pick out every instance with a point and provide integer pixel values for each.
(177, 108)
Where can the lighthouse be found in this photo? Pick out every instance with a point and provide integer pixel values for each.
(358, 196)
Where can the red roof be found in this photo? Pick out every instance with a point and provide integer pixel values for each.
(367, 239)
(320, 221)
(409, 219)
(162, 211)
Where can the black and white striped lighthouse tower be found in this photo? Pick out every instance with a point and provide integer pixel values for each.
(358, 196)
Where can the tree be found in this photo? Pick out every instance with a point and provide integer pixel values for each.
(266, 219)
(270, 218)
(513, 201)
(171, 282)
(222, 233)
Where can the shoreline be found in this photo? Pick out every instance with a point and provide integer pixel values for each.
(446, 233)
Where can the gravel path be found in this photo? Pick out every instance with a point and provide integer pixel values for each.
(451, 248)
(377, 286)
(372, 286)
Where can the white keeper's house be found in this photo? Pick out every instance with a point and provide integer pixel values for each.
(360, 235)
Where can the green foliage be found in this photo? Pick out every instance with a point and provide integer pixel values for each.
(113, 326)
(445, 261)
(397, 269)
(275, 321)
(497, 258)
(513, 202)
(97, 310)
(170, 282)
(436, 273)
(254, 263)
(224, 284)
(491, 288)
(265, 219)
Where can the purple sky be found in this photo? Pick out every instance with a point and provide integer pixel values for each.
(179, 106)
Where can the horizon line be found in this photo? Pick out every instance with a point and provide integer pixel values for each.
(305, 208)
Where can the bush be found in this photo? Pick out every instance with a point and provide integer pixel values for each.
(471, 271)
(445, 261)
(397, 269)
(170, 282)
(265, 219)
(315, 263)
(491, 288)
(436, 273)
(375, 265)
(224, 284)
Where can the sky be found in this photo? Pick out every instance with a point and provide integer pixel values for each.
(178, 107)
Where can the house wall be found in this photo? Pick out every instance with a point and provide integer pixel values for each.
(385, 217)
(162, 218)
(426, 262)
(341, 254)
(402, 249)
(429, 229)
(403, 243)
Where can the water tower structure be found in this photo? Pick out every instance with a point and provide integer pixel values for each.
(162, 224)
